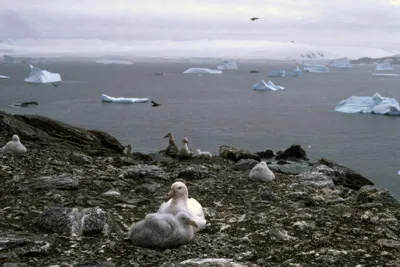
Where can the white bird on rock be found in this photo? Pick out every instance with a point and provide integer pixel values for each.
(180, 201)
(162, 230)
(261, 173)
(14, 146)
(185, 152)
(203, 154)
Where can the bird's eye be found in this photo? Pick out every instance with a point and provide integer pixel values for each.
(180, 187)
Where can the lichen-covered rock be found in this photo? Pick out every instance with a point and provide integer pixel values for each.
(371, 194)
(61, 182)
(245, 164)
(236, 154)
(80, 158)
(315, 179)
(194, 172)
(145, 171)
(15, 244)
(341, 175)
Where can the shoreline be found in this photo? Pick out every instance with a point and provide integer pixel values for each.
(324, 215)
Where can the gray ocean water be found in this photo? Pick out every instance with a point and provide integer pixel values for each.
(212, 110)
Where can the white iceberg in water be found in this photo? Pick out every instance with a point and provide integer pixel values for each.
(296, 73)
(267, 86)
(228, 65)
(386, 74)
(277, 73)
(4, 77)
(110, 99)
(383, 66)
(315, 68)
(375, 104)
(201, 71)
(42, 76)
(114, 61)
(341, 63)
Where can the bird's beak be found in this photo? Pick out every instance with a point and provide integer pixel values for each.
(192, 223)
(171, 193)
(166, 136)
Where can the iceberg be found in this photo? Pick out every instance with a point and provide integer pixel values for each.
(315, 68)
(4, 77)
(201, 70)
(386, 74)
(341, 63)
(267, 86)
(277, 73)
(42, 76)
(110, 99)
(296, 73)
(228, 65)
(383, 66)
(114, 61)
(375, 104)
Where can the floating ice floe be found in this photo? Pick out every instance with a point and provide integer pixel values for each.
(114, 61)
(296, 73)
(202, 71)
(341, 63)
(4, 77)
(228, 65)
(277, 73)
(375, 104)
(386, 74)
(42, 76)
(110, 99)
(267, 86)
(383, 66)
(315, 68)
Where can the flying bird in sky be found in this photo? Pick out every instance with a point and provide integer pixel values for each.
(254, 18)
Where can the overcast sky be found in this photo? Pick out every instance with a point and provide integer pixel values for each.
(369, 23)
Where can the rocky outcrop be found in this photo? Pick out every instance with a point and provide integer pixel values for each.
(45, 132)
(236, 154)
(62, 206)
(293, 152)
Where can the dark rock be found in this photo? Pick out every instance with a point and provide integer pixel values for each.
(145, 171)
(293, 152)
(48, 132)
(282, 162)
(194, 172)
(95, 263)
(245, 164)
(266, 154)
(14, 244)
(236, 154)
(63, 182)
(269, 196)
(80, 158)
(254, 71)
(371, 194)
(341, 175)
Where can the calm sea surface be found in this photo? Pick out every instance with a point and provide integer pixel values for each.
(212, 110)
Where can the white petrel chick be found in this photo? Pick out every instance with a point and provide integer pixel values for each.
(261, 173)
(14, 146)
(203, 154)
(172, 148)
(162, 230)
(180, 201)
(185, 152)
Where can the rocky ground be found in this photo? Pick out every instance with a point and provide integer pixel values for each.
(71, 198)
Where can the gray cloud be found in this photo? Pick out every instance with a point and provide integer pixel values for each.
(366, 22)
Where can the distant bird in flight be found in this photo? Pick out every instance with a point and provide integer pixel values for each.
(154, 104)
(254, 18)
